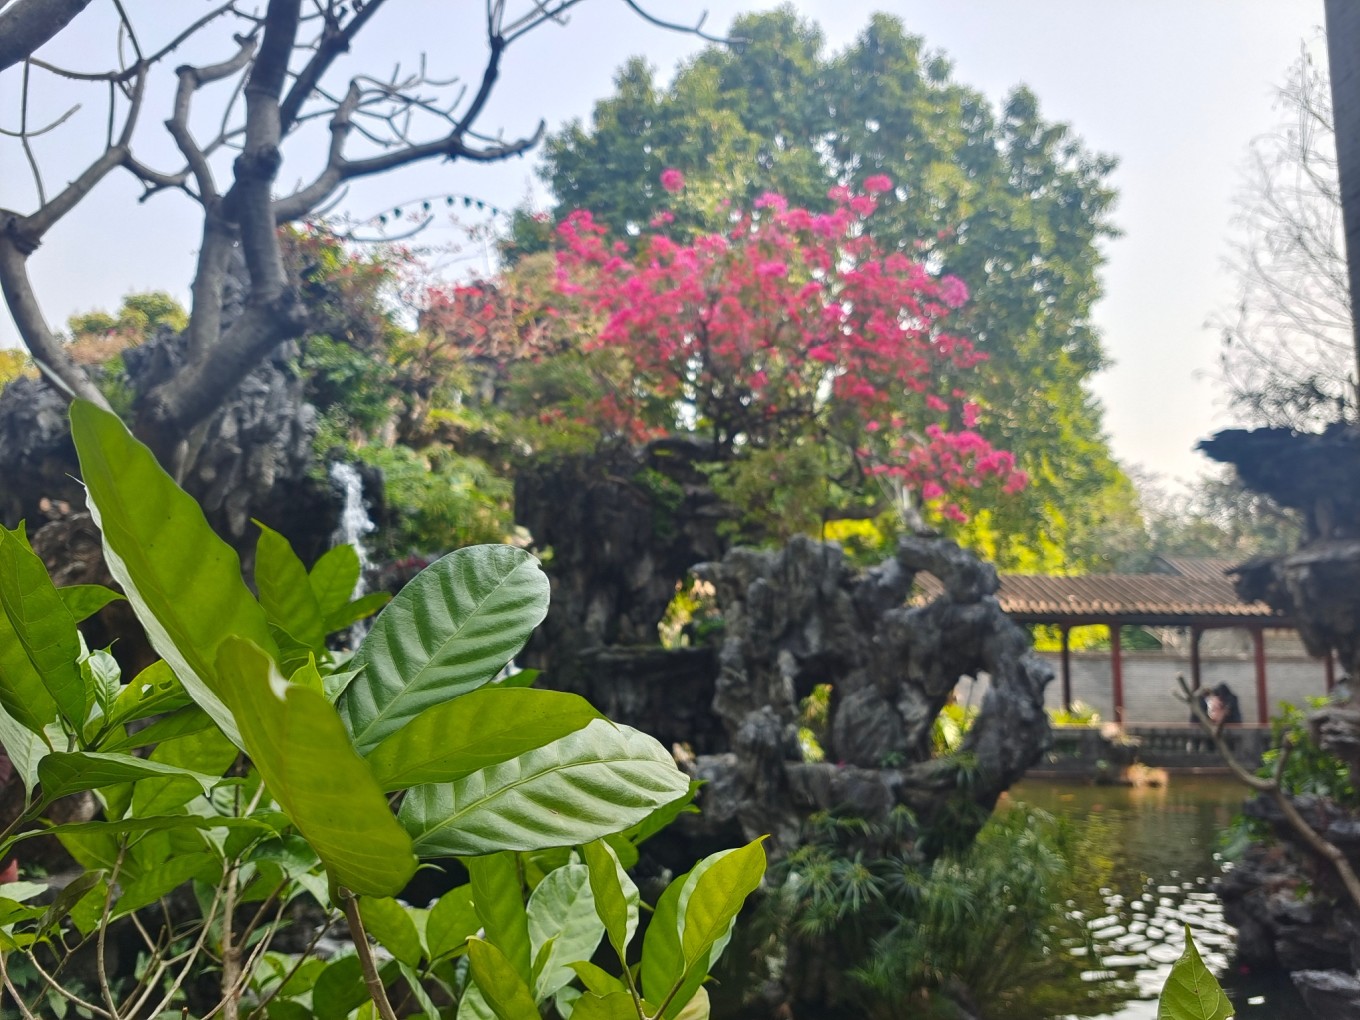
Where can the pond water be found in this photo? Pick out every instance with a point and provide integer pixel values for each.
(1164, 842)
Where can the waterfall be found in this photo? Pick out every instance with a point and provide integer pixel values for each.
(354, 525)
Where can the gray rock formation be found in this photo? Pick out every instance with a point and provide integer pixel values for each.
(802, 616)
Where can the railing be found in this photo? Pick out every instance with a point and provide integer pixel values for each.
(1165, 745)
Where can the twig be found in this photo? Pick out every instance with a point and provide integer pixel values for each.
(1274, 788)
(57, 987)
(14, 992)
(292, 971)
(372, 978)
(103, 934)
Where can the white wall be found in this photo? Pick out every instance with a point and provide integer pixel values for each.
(1150, 683)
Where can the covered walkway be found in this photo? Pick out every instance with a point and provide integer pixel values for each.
(1193, 594)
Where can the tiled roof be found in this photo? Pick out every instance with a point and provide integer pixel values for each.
(1207, 567)
(1154, 599)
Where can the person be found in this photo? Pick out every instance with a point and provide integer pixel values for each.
(1223, 706)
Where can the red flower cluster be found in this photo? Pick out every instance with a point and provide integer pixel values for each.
(790, 324)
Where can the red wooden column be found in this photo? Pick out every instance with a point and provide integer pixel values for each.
(1195, 671)
(1067, 669)
(1117, 671)
(1258, 647)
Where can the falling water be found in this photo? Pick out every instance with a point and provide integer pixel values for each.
(354, 525)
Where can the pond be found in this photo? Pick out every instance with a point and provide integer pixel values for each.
(1164, 845)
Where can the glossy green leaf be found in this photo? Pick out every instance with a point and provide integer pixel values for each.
(486, 727)
(390, 923)
(1191, 991)
(453, 919)
(84, 600)
(333, 578)
(720, 888)
(616, 897)
(44, 628)
(65, 772)
(183, 581)
(285, 589)
(498, 895)
(499, 982)
(446, 633)
(473, 1004)
(614, 1006)
(597, 780)
(298, 743)
(562, 918)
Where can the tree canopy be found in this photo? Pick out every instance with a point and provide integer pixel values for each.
(1013, 205)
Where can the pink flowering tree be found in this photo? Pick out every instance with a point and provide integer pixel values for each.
(792, 337)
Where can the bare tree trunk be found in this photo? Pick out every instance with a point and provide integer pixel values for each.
(1343, 56)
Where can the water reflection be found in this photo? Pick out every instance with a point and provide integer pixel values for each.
(1162, 842)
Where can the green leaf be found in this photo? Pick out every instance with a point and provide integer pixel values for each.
(448, 632)
(616, 897)
(428, 1009)
(44, 627)
(182, 580)
(499, 982)
(663, 962)
(614, 1006)
(697, 1008)
(24, 747)
(453, 919)
(71, 894)
(153, 691)
(596, 979)
(84, 600)
(390, 923)
(299, 744)
(562, 912)
(65, 772)
(1191, 991)
(340, 988)
(206, 751)
(286, 590)
(592, 782)
(486, 727)
(498, 896)
(721, 884)
(333, 578)
(360, 609)
(165, 878)
(180, 723)
(102, 677)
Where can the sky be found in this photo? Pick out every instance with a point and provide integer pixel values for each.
(1176, 89)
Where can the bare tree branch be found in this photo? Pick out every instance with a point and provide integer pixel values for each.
(28, 24)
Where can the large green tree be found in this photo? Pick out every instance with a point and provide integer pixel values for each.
(1014, 205)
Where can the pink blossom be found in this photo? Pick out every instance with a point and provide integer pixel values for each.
(672, 180)
(877, 184)
(931, 491)
(770, 200)
(953, 291)
(772, 268)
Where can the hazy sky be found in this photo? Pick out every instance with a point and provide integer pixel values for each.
(1176, 89)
